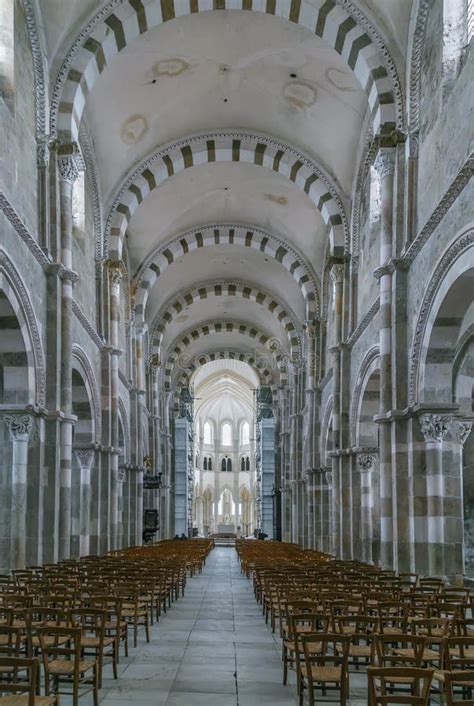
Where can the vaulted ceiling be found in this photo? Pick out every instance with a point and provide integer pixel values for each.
(286, 102)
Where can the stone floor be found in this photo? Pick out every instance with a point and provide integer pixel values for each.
(212, 648)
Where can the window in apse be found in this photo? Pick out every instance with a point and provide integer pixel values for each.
(245, 433)
(207, 433)
(226, 435)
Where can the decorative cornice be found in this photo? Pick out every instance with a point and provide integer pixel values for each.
(87, 326)
(89, 156)
(415, 65)
(18, 425)
(40, 70)
(363, 323)
(23, 232)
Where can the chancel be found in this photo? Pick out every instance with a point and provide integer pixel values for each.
(236, 351)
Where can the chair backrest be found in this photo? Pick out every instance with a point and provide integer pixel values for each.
(379, 678)
(9, 682)
(458, 686)
(458, 653)
(400, 650)
(10, 641)
(60, 643)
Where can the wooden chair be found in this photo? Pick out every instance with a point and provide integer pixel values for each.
(15, 692)
(459, 688)
(298, 625)
(134, 612)
(94, 641)
(381, 681)
(63, 663)
(325, 663)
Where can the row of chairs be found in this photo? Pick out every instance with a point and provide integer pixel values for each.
(413, 636)
(74, 617)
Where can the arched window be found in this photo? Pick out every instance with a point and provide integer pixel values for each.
(205, 463)
(207, 433)
(245, 434)
(7, 44)
(242, 463)
(226, 435)
(247, 464)
(209, 464)
(458, 30)
(229, 465)
(224, 465)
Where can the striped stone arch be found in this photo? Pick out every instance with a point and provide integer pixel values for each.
(226, 147)
(242, 236)
(366, 385)
(21, 347)
(265, 375)
(340, 24)
(82, 364)
(224, 289)
(177, 355)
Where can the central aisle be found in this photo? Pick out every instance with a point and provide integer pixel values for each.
(212, 648)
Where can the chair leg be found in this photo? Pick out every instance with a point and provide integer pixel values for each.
(95, 690)
(114, 659)
(75, 694)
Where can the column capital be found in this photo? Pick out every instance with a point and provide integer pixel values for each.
(19, 425)
(461, 428)
(435, 427)
(337, 273)
(154, 362)
(69, 162)
(115, 270)
(84, 457)
(366, 462)
(385, 161)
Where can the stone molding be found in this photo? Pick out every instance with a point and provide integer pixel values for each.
(454, 251)
(19, 425)
(455, 189)
(39, 68)
(87, 326)
(22, 231)
(363, 323)
(89, 157)
(415, 65)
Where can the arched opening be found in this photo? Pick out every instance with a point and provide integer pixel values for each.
(226, 434)
(245, 434)
(208, 435)
(367, 466)
(15, 375)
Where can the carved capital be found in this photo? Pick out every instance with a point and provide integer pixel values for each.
(115, 272)
(337, 273)
(366, 462)
(435, 427)
(18, 425)
(84, 457)
(154, 361)
(385, 161)
(461, 430)
(122, 474)
(42, 155)
(328, 476)
(68, 165)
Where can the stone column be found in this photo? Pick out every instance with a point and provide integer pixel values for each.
(42, 161)
(84, 459)
(429, 522)
(68, 172)
(327, 509)
(365, 465)
(453, 504)
(19, 427)
(115, 278)
(337, 275)
(385, 165)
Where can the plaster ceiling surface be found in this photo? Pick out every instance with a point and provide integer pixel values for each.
(229, 69)
(225, 400)
(391, 18)
(226, 308)
(226, 262)
(64, 18)
(227, 193)
(215, 368)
